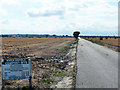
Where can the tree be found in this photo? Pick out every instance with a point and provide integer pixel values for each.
(76, 34)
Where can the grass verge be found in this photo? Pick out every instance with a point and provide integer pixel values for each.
(61, 74)
(116, 48)
(47, 80)
(65, 49)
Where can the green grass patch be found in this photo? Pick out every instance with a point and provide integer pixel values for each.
(25, 86)
(46, 80)
(61, 74)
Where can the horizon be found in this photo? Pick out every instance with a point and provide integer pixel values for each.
(89, 17)
(66, 34)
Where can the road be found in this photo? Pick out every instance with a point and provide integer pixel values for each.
(97, 66)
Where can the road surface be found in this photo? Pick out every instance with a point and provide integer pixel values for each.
(97, 66)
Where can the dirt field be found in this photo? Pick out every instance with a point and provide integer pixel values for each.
(32, 47)
(110, 41)
(43, 51)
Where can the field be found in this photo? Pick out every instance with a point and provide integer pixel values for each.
(32, 47)
(111, 42)
(43, 51)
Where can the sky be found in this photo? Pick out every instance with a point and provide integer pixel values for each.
(90, 17)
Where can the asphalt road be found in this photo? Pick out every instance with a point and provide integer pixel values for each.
(97, 66)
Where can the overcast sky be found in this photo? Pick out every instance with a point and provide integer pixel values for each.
(90, 17)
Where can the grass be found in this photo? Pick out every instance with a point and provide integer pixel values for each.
(46, 80)
(64, 50)
(61, 74)
(118, 49)
(98, 42)
(107, 45)
(14, 88)
(25, 86)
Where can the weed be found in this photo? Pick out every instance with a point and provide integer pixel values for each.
(117, 48)
(25, 86)
(61, 74)
(98, 42)
(14, 87)
(64, 50)
(73, 74)
(63, 53)
(46, 80)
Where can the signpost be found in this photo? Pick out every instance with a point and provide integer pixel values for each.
(16, 69)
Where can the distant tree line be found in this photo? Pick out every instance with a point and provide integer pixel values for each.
(33, 35)
(100, 36)
(75, 34)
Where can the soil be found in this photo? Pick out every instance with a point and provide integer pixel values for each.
(46, 55)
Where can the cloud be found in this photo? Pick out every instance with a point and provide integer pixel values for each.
(5, 21)
(54, 9)
(10, 2)
(33, 12)
(77, 7)
(61, 16)
(2, 12)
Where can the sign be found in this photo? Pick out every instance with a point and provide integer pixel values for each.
(16, 69)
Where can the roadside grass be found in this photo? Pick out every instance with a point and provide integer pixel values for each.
(97, 42)
(14, 88)
(65, 49)
(25, 86)
(47, 80)
(116, 48)
(63, 52)
(61, 74)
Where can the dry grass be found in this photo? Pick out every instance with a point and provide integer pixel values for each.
(110, 41)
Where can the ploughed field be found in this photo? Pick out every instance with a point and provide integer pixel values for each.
(114, 41)
(32, 47)
(43, 53)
